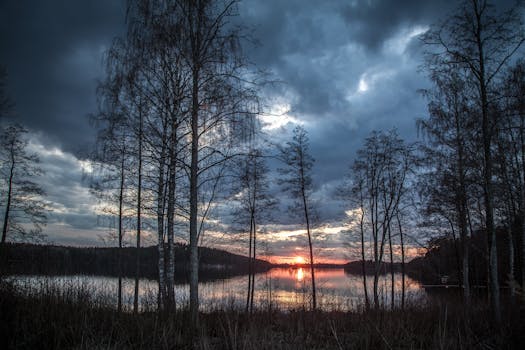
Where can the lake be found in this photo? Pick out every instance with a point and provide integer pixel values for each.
(281, 288)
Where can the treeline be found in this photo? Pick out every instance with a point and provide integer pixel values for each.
(49, 259)
(356, 267)
(443, 258)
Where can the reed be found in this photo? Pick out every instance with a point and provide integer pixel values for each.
(73, 318)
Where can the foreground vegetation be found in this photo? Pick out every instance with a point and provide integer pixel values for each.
(72, 318)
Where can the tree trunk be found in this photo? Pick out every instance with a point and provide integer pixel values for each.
(462, 211)
(392, 281)
(403, 274)
(489, 209)
(363, 261)
(253, 263)
(312, 272)
(8, 201)
(487, 178)
(511, 262)
(120, 227)
(3, 264)
(379, 261)
(250, 267)
(457, 253)
(194, 252)
(254, 224)
(170, 280)
(160, 226)
(375, 236)
(139, 218)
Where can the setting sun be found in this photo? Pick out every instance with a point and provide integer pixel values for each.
(298, 260)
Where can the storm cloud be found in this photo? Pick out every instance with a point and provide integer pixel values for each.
(344, 68)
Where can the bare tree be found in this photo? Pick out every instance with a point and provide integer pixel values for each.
(119, 143)
(297, 180)
(144, 69)
(140, 137)
(110, 182)
(482, 42)
(182, 59)
(22, 198)
(251, 192)
(449, 130)
(352, 191)
(511, 156)
(220, 90)
(380, 184)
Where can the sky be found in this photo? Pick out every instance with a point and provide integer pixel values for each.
(346, 67)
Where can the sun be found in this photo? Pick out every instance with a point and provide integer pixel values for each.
(299, 260)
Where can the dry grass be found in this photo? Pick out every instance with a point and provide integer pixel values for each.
(72, 319)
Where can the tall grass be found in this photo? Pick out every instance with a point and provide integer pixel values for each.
(73, 317)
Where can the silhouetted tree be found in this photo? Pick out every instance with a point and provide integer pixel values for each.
(144, 68)
(112, 161)
(220, 91)
(251, 192)
(358, 191)
(482, 42)
(139, 204)
(450, 164)
(183, 60)
(511, 161)
(22, 198)
(297, 180)
(379, 185)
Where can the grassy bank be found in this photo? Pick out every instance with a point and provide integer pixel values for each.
(57, 319)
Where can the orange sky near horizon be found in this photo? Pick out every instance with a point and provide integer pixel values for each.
(296, 259)
(299, 260)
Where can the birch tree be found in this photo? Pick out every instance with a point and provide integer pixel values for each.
(380, 184)
(511, 162)
(220, 90)
(297, 180)
(254, 206)
(449, 160)
(482, 42)
(22, 202)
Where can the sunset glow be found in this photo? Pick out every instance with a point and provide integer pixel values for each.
(339, 258)
(299, 260)
(300, 275)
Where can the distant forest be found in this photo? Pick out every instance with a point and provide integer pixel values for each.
(442, 259)
(52, 260)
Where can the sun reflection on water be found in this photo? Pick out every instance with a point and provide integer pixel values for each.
(299, 275)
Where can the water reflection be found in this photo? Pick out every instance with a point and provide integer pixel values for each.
(300, 275)
(280, 288)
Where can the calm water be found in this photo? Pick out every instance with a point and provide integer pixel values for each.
(279, 288)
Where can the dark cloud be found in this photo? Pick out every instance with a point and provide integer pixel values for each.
(347, 67)
(53, 54)
(371, 22)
